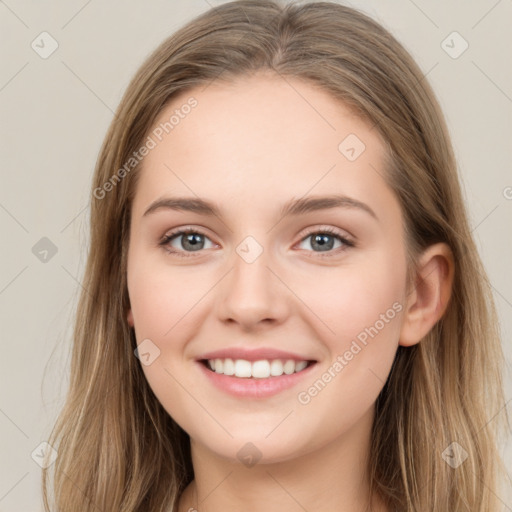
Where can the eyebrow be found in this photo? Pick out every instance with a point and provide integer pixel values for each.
(291, 208)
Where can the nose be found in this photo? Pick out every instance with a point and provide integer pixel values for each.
(253, 294)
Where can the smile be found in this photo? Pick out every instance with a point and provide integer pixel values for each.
(262, 369)
(257, 379)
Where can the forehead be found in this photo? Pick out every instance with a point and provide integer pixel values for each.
(264, 111)
(261, 136)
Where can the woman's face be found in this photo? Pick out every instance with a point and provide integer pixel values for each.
(295, 282)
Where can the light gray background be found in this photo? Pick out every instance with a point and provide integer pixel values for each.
(55, 113)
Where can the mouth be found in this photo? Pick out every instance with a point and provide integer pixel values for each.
(258, 379)
(255, 372)
(261, 369)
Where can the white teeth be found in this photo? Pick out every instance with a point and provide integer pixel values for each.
(289, 367)
(229, 367)
(276, 368)
(261, 369)
(243, 368)
(300, 366)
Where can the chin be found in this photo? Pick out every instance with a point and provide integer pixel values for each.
(255, 446)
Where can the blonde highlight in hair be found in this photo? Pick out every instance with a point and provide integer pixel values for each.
(118, 449)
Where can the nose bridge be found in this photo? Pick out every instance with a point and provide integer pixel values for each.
(252, 292)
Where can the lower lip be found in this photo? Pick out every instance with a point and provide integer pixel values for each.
(254, 388)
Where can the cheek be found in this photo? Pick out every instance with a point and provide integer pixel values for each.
(162, 304)
(159, 298)
(364, 312)
(352, 298)
(361, 307)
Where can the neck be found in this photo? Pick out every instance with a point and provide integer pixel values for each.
(331, 478)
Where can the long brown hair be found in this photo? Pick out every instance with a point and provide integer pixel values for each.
(118, 449)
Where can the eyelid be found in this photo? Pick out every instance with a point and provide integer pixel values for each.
(341, 233)
(184, 230)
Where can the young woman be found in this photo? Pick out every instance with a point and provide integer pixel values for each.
(283, 306)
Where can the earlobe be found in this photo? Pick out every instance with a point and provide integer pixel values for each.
(428, 301)
(129, 318)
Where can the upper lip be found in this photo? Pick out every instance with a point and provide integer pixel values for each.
(253, 354)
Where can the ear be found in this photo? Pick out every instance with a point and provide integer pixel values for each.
(129, 318)
(428, 300)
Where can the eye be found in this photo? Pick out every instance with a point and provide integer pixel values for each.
(324, 241)
(191, 241)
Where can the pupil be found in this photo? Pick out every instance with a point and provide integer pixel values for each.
(321, 241)
(194, 240)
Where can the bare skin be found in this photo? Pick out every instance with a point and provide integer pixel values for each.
(250, 147)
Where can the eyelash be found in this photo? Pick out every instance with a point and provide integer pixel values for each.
(324, 231)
